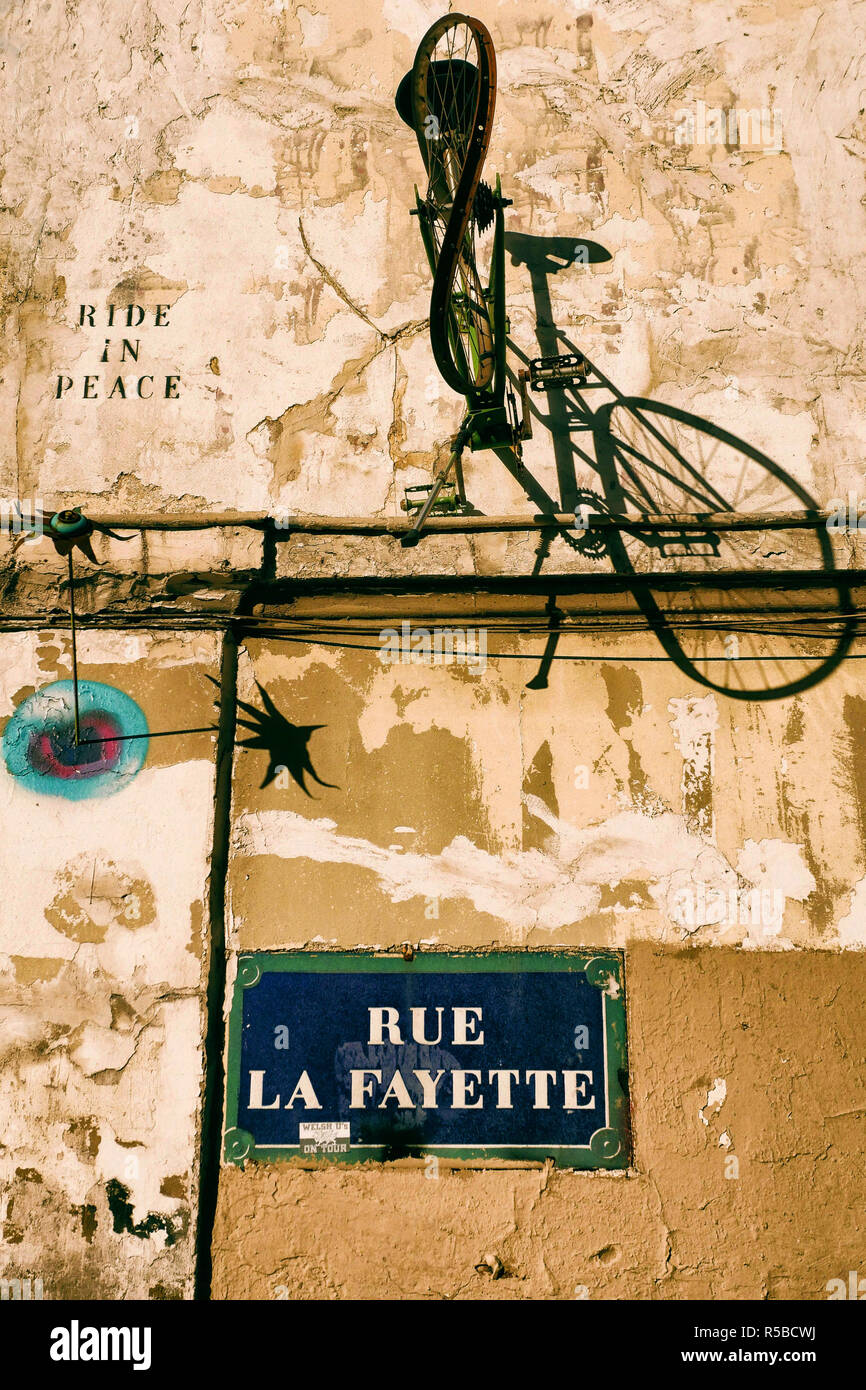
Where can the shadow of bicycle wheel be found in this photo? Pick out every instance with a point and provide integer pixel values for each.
(717, 618)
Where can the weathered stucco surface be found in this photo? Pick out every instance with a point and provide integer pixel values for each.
(237, 169)
(244, 165)
(101, 945)
(784, 1032)
(471, 811)
(621, 803)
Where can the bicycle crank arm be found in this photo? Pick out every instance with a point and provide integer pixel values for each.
(413, 535)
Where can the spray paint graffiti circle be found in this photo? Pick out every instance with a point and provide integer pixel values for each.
(39, 742)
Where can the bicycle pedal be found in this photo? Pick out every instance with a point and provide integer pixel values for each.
(416, 495)
(548, 373)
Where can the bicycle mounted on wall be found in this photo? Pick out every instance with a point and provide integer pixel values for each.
(448, 99)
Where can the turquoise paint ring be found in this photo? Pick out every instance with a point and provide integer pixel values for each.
(70, 523)
(39, 742)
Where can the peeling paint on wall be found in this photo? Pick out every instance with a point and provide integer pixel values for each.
(620, 805)
(100, 998)
(694, 724)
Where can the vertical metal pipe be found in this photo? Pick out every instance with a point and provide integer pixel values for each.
(210, 1151)
(74, 649)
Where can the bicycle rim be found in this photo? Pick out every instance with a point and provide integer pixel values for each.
(453, 97)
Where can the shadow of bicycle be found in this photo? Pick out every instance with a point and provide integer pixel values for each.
(716, 616)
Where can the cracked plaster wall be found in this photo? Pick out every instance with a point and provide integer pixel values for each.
(598, 811)
(472, 812)
(784, 1030)
(243, 163)
(102, 937)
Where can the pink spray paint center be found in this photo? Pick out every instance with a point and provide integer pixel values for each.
(53, 752)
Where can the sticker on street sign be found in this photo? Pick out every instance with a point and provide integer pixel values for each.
(499, 1055)
(323, 1137)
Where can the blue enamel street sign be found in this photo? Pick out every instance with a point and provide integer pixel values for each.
(506, 1055)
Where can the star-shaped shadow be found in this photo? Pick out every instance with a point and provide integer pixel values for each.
(284, 742)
